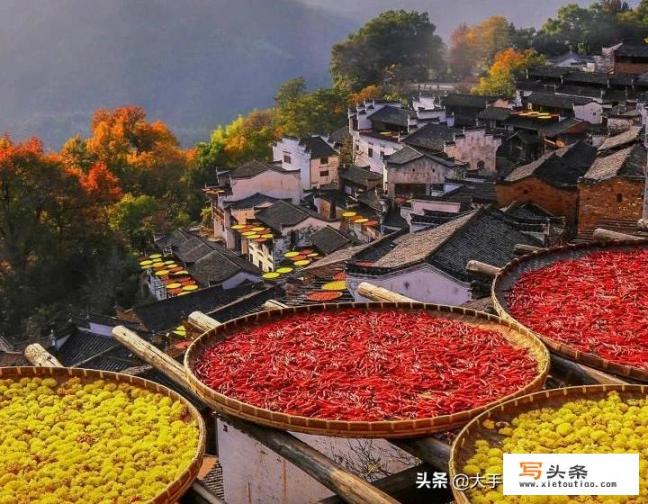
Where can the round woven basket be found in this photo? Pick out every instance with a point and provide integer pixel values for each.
(360, 429)
(464, 444)
(176, 488)
(509, 274)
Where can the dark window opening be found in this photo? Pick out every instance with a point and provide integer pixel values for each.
(619, 198)
(286, 157)
(324, 174)
(324, 160)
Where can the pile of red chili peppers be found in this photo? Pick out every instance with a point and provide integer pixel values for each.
(366, 365)
(597, 303)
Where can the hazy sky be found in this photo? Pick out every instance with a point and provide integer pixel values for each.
(447, 14)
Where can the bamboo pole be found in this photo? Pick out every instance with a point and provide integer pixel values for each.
(482, 268)
(38, 356)
(202, 322)
(580, 374)
(351, 488)
(430, 449)
(523, 248)
(375, 293)
(609, 235)
(273, 304)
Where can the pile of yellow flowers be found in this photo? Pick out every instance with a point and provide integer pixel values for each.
(609, 425)
(89, 442)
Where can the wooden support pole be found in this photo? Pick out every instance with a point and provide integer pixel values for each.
(375, 293)
(429, 449)
(482, 268)
(579, 374)
(523, 248)
(38, 356)
(609, 235)
(202, 322)
(351, 488)
(273, 304)
(392, 484)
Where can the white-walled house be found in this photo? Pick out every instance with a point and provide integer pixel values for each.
(246, 189)
(253, 474)
(291, 225)
(316, 160)
(430, 265)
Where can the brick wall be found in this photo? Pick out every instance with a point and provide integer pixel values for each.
(561, 202)
(630, 68)
(616, 198)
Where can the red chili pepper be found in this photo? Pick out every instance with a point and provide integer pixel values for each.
(366, 365)
(597, 303)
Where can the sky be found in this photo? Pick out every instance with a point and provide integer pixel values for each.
(446, 15)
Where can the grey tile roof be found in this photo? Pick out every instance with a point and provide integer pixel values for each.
(317, 147)
(467, 100)
(208, 262)
(495, 114)
(561, 168)
(250, 169)
(390, 114)
(557, 101)
(629, 162)
(547, 71)
(360, 176)
(621, 140)
(561, 127)
(486, 235)
(408, 154)
(340, 135)
(284, 214)
(598, 78)
(431, 136)
(81, 347)
(327, 240)
(168, 313)
(632, 50)
(250, 202)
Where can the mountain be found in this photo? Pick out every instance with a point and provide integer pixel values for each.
(191, 63)
(447, 14)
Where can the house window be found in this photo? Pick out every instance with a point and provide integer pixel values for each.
(324, 173)
(619, 198)
(286, 157)
(324, 160)
(370, 150)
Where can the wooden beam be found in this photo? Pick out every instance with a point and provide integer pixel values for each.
(375, 293)
(197, 493)
(523, 248)
(429, 449)
(273, 304)
(392, 484)
(482, 268)
(203, 322)
(351, 488)
(579, 374)
(609, 235)
(38, 356)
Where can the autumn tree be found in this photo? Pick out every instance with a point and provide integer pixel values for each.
(317, 112)
(508, 64)
(53, 231)
(473, 48)
(396, 45)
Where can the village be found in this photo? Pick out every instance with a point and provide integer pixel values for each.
(423, 200)
(438, 199)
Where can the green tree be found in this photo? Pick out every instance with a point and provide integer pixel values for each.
(136, 219)
(401, 43)
(318, 112)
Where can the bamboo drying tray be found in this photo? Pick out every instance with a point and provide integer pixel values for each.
(361, 429)
(509, 274)
(176, 488)
(463, 446)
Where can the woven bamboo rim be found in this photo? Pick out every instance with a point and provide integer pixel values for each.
(176, 488)
(463, 446)
(509, 274)
(361, 429)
